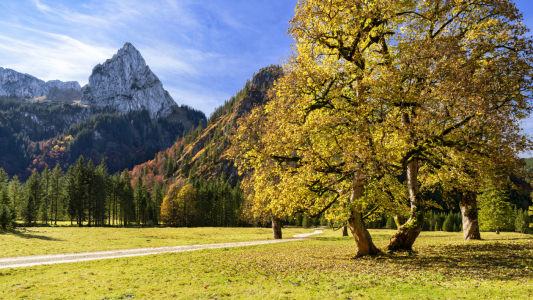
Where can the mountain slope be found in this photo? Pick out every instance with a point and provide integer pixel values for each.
(203, 152)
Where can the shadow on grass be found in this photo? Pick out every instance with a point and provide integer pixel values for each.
(496, 260)
(28, 235)
(375, 237)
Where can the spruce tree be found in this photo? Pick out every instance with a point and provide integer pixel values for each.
(390, 223)
(71, 191)
(15, 194)
(7, 210)
(127, 205)
(520, 221)
(448, 223)
(46, 176)
(157, 200)
(56, 192)
(80, 195)
(91, 191)
(33, 198)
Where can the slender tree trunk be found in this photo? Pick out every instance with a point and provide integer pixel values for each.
(408, 232)
(344, 230)
(363, 240)
(470, 219)
(276, 228)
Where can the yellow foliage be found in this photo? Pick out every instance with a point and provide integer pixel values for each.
(373, 87)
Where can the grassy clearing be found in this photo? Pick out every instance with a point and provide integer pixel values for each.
(54, 240)
(445, 267)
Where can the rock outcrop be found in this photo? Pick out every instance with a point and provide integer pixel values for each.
(126, 83)
(58, 94)
(25, 85)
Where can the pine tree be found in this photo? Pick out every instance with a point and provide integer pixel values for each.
(157, 200)
(71, 193)
(3, 178)
(7, 210)
(45, 204)
(91, 190)
(33, 198)
(306, 223)
(15, 194)
(520, 221)
(56, 191)
(127, 204)
(80, 199)
(448, 223)
(495, 212)
(100, 185)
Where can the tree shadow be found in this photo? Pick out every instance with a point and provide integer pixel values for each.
(28, 235)
(496, 260)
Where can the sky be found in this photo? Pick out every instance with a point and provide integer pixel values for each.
(203, 51)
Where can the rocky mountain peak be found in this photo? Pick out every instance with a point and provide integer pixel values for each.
(126, 83)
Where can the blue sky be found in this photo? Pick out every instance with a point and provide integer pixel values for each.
(203, 51)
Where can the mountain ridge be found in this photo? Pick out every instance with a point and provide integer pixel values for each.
(25, 85)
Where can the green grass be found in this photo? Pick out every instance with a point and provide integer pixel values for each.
(444, 267)
(54, 240)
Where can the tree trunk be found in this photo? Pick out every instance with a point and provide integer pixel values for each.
(276, 228)
(408, 232)
(344, 230)
(470, 220)
(362, 237)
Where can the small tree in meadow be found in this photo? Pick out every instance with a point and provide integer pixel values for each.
(495, 213)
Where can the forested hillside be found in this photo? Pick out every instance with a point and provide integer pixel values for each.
(36, 135)
(202, 152)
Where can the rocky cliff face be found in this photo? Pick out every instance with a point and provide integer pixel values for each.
(58, 94)
(24, 85)
(126, 83)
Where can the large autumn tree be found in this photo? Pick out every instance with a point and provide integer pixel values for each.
(377, 89)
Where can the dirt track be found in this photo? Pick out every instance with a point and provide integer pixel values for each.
(27, 261)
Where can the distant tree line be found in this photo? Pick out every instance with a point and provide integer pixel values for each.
(87, 195)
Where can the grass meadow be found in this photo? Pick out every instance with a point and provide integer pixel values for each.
(443, 267)
(56, 240)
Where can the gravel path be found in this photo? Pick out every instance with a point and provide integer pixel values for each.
(27, 261)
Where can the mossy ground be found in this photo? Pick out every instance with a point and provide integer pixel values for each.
(444, 267)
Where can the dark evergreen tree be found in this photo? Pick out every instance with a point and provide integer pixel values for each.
(33, 198)
(127, 204)
(56, 192)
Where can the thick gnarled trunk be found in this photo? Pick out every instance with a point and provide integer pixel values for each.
(408, 232)
(470, 218)
(276, 228)
(362, 237)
